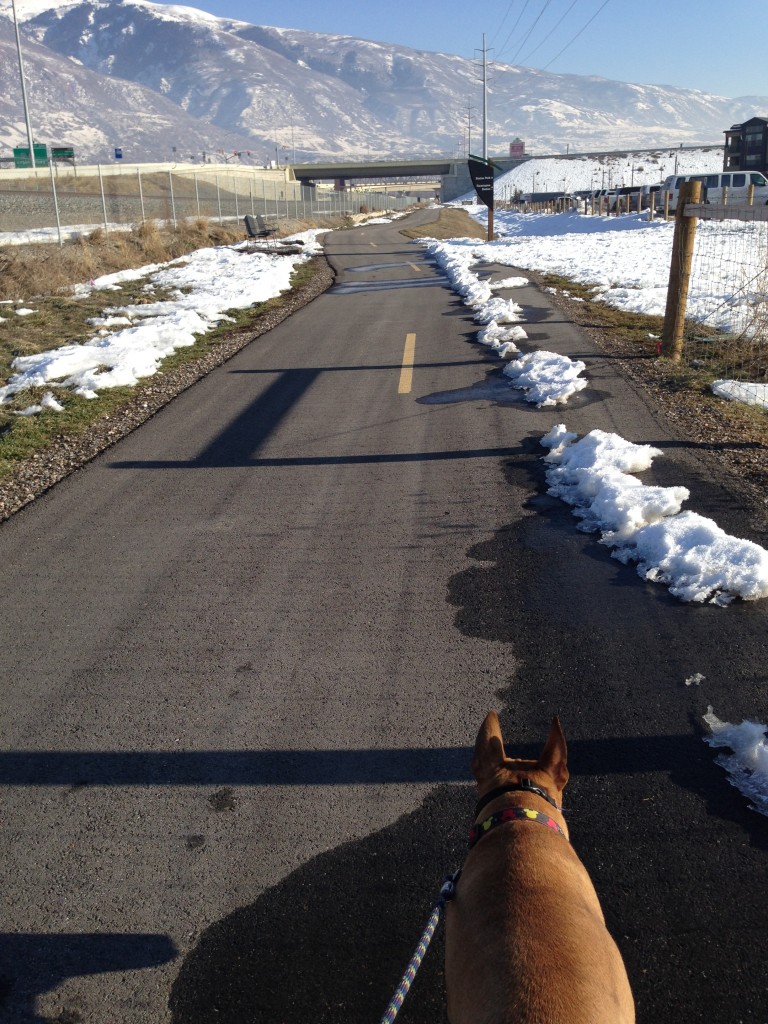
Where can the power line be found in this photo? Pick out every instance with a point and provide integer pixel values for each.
(512, 30)
(582, 29)
(501, 25)
(527, 36)
(549, 35)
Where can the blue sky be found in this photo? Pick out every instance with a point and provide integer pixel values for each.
(714, 46)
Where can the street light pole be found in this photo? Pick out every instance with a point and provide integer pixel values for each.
(23, 87)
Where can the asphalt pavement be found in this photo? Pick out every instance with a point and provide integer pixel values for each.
(247, 651)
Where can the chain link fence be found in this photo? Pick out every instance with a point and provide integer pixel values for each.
(86, 198)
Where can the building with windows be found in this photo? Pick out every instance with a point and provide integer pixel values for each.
(746, 146)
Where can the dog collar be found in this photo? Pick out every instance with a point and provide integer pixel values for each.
(477, 832)
(523, 786)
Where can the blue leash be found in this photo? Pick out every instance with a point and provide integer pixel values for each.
(447, 892)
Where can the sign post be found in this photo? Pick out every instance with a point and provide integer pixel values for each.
(481, 173)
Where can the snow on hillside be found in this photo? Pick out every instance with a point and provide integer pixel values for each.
(573, 174)
(26, 9)
(336, 96)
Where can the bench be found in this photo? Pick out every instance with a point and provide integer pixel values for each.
(257, 227)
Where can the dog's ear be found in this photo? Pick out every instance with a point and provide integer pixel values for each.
(489, 749)
(554, 757)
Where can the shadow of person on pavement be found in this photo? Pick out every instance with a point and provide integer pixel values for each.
(330, 943)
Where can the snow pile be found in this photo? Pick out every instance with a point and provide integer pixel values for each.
(747, 766)
(546, 377)
(204, 284)
(509, 282)
(739, 391)
(46, 402)
(686, 551)
(502, 311)
(456, 260)
(501, 338)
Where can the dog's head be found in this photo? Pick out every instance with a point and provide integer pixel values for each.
(493, 769)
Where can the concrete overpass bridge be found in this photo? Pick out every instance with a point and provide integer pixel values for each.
(452, 172)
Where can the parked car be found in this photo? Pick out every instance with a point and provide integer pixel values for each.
(737, 183)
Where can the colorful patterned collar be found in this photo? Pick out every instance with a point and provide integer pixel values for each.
(477, 832)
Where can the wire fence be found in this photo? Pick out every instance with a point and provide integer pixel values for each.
(726, 326)
(89, 199)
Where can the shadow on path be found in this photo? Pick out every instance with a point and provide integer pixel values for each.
(331, 942)
(31, 964)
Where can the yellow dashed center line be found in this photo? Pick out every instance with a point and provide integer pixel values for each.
(417, 269)
(406, 372)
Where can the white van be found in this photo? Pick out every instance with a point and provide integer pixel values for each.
(712, 185)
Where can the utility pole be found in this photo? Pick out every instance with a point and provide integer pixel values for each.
(24, 86)
(485, 100)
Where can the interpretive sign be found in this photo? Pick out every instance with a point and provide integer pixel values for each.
(481, 173)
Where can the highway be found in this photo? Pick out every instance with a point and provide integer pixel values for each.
(247, 651)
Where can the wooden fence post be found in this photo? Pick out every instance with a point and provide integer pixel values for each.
(672, 337)
(751, 195)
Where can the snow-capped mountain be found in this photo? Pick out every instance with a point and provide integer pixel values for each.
(210, 78)
(72, 105)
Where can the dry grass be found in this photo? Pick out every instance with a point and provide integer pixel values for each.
(451, 222)
(30, 271)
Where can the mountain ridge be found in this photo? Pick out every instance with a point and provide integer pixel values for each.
(236, 85)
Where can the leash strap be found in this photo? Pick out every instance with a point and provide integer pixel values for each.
(447, 892)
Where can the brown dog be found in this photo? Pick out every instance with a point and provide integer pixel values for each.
(526, 941)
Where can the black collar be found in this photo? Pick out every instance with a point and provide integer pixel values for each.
(523, 786)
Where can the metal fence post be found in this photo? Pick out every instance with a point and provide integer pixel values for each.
(103, 200)
(173, 203)
(672, 337)
(141, 194)
(55, 201)
(197, 196)
(218, 197)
